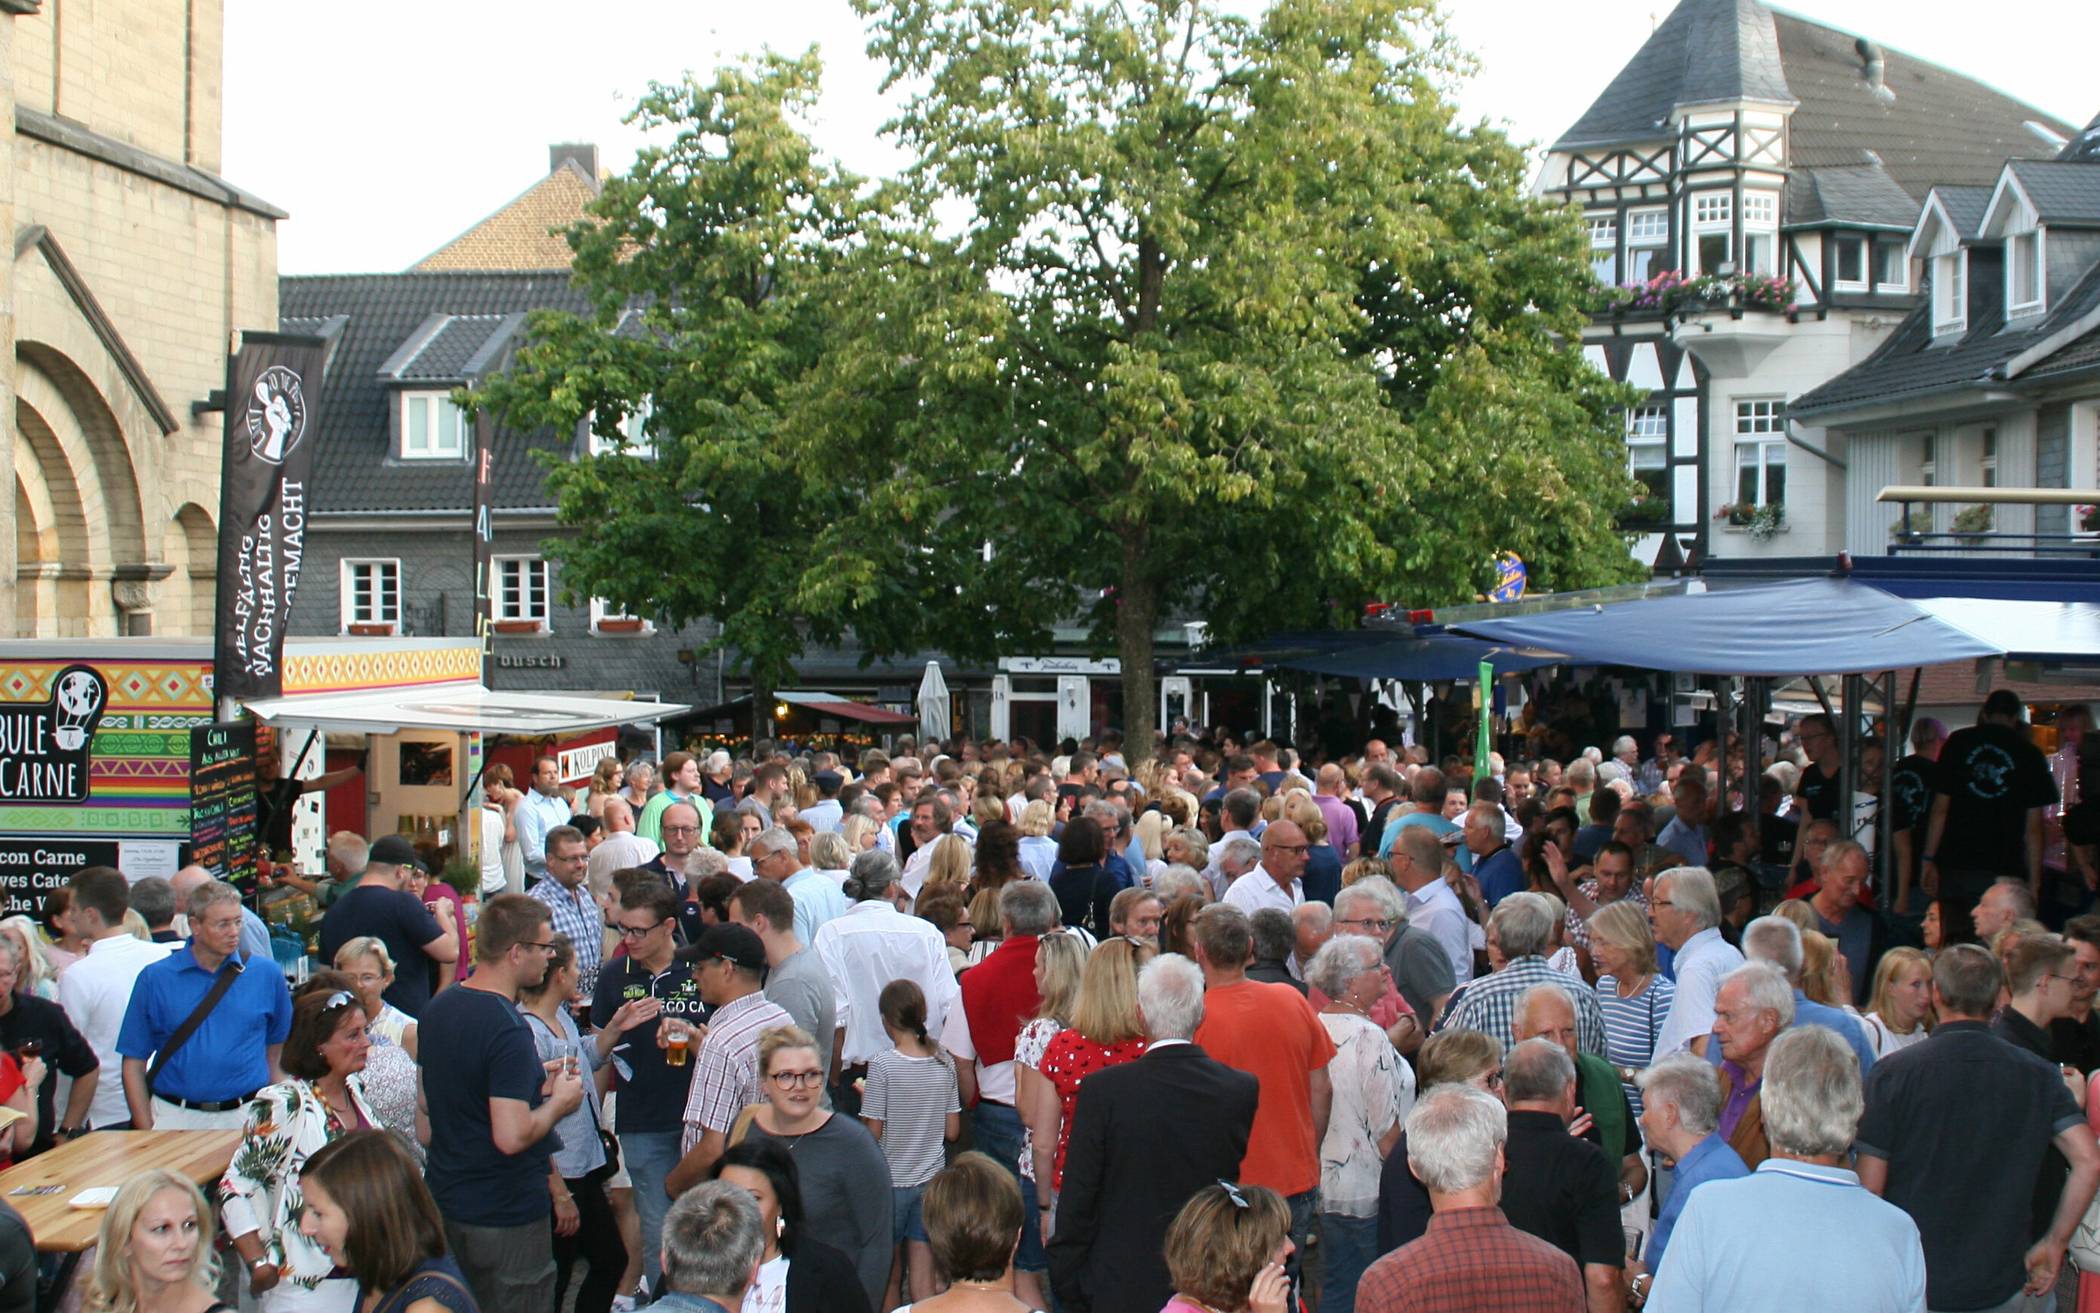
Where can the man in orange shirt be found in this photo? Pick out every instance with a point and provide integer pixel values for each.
(1271, 1033)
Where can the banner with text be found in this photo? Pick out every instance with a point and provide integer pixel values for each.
(485, 541)
(272, 394)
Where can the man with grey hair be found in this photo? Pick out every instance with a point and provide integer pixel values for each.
(997, 998)
(713, 1244)
(1548, 1012)
(1560, 1187)
(1239, 812)
(1776, 940)
(1955, 1132)
(1859, 931)
(1685, 910)
(1522, 926)
(1420, 970)
(1177, 880)
(1799, 1232)
(1753, 1004)
(1470, 1257)
(1680, 1107)
(777, 855)
(1233, 858)
(205, 1082)
(153, 898)
(871, 944)
(1128, 1169)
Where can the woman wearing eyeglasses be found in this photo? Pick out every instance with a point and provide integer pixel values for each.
(845, 1179)
(319, 1102)
(1226, 1249)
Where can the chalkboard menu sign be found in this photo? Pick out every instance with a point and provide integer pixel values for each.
(223, 833)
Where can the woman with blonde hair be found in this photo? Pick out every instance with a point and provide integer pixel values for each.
(371, 971)
(1634, 996)
(1060, 961)
(604, 783)
(1900, 1008)
(949, 868)
(1105, 1031)
(37, 977)
(1038, 849)
(1826, 977)
(831, 853)
(859, 833)
(1152, 837)
(154, 1251)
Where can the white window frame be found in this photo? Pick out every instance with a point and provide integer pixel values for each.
(1929, 460)
(634, 427)
(1760, 436)
(1950, 309)
(1647, 232)
(1604, 246)
(1760, 233)
(1839, 244)
(1901, 282)
(602, 615)
(1648, 440)
(363, 604)
(2025, 251)
(1713, 214)
(442, 419)
(1987, 456)
(520, 610)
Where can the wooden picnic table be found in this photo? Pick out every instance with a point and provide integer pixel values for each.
(105, 1158)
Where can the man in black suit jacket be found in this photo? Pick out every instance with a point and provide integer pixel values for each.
(1145, 1136)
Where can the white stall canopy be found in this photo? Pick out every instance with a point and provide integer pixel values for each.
(461, 708)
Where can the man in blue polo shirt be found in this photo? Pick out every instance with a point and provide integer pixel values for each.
(231, 1053)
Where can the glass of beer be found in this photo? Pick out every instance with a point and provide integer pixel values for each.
(676, 1044)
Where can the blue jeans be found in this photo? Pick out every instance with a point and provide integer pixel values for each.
(996, 1132)
(1348, 1245)
(906, 1221)
(1302, 1207)
(650, 1156)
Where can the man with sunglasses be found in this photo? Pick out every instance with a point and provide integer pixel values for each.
(634, 992)
(487, 1107)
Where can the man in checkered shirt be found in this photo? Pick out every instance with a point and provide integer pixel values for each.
(1521, 926)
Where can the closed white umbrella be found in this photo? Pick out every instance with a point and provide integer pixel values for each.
(933, 703)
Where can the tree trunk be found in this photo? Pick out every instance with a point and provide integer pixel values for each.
(1137, 615)
(762, 686)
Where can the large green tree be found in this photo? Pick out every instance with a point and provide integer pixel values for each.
(1237, 319)
(711, 268)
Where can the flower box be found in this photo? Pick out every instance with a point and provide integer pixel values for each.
(521, 626)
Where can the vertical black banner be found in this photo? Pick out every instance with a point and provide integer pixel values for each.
(272, 394)
(485, 543)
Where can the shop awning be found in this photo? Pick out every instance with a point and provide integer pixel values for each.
(1428, 658)
(1808, 626)
(460, 708)
(835, 705)
(2027, 631)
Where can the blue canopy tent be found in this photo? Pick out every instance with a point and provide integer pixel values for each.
(1806, 626)
(1427, 658)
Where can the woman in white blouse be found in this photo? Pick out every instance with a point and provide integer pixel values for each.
(1900, 1012)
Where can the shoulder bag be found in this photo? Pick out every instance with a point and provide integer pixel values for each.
(219, 985)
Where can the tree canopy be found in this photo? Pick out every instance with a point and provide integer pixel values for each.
(1175, 313)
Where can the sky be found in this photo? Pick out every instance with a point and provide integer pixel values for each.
(419, 118)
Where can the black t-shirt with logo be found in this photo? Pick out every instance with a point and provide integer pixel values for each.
(1992, 776)
(1821, 791)
(652, 1091)
(1910, 798)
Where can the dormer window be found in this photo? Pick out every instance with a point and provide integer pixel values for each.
(1950, 310)
(1851, 260)
(432, 427)
(636, 439)
(2024, 283)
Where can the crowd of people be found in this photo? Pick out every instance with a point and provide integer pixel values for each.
(985, 1027)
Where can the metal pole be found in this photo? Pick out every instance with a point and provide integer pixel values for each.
(1885, 821)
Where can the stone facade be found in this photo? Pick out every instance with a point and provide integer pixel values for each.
(134, 266)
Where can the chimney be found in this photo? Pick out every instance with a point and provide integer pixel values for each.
(1875, 68)
(584, 153)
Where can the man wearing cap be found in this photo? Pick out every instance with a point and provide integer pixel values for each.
(380, 907)
(729, 962)
(825, 814)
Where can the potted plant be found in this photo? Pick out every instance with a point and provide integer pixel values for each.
(1972, 522)
(373, 629)
(1910, 524)
(520, 626)
(2088, 519)
(625, 624)
(1762, 520)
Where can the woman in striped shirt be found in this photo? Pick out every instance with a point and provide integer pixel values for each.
(1635, 996)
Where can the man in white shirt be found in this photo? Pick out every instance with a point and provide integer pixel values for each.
(542, 810)
(620, 849)
(1275, 882)
(1684, 910)
(931, 818)
(1432, 905)
(825, 815)
(96, 990)
(873, 943)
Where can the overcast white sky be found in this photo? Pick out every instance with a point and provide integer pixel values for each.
(404, 122)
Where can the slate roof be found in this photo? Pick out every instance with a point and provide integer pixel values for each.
(520, 234)
(2064, 193)
(1909, 366)
(1849, 193)
(1925, 126)
(1965, 207)
(382, 312)
(1706, 50)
